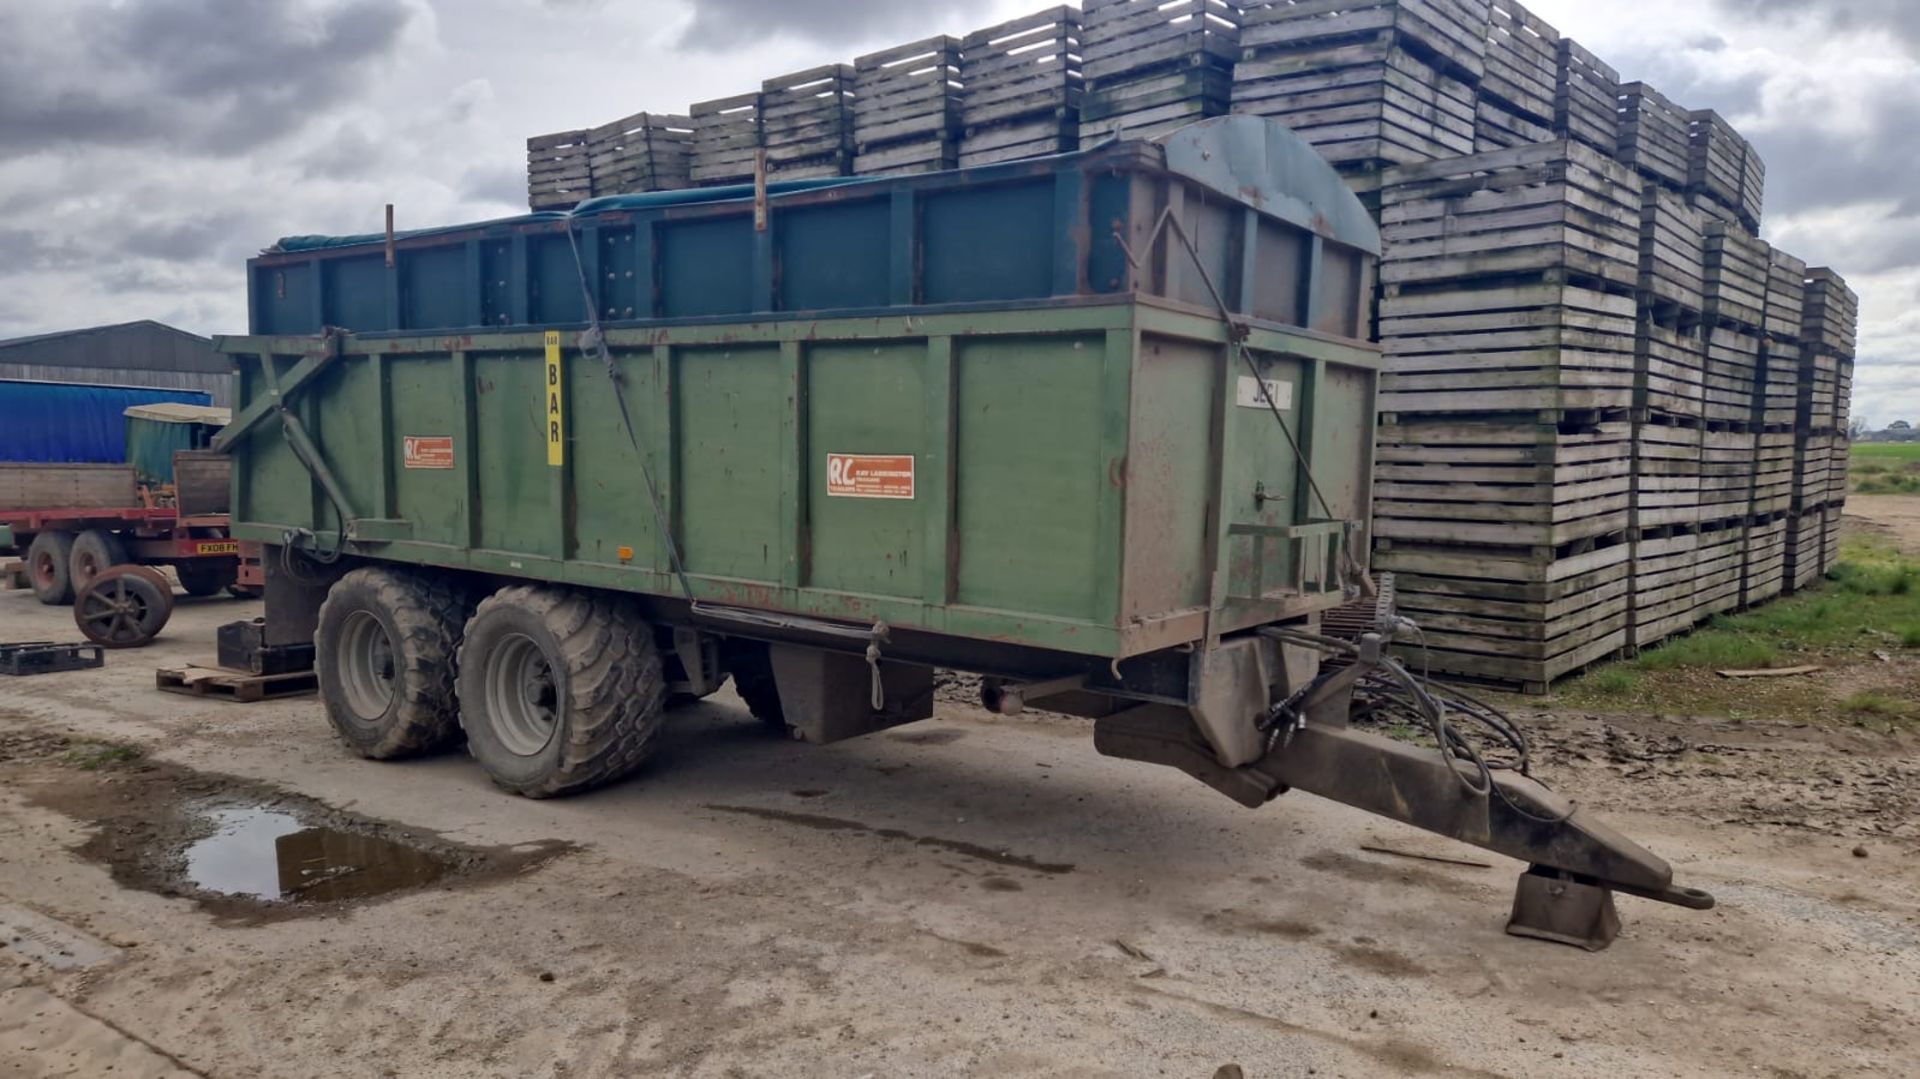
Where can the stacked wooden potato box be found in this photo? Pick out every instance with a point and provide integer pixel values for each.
(1610, 411)
(906, 108)
(1021, 86)
(1155, 65)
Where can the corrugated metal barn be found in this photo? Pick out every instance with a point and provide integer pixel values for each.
(144, 353)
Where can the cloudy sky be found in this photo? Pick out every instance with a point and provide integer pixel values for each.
(147, 147)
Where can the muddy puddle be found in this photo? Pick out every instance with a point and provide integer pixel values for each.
(248, 852)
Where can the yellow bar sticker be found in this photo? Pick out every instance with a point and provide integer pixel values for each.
(556, 408)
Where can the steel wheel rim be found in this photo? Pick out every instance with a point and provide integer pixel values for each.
(85, 570)
(115, 613)
(43, 570)
(522, 696)
(367, 666)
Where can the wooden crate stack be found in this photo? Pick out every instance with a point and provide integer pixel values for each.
(558, 172)
(1370, 85)
(1152, 66)
(1717, 163)
(1520, 85)
(1022, 84)
(1828, 337)
(806, 122)
(726, 140)
(1508, 322)
(906, 108)
(647, 151)
(1654, 135)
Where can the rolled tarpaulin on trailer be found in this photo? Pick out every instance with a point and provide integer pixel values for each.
(68, 423)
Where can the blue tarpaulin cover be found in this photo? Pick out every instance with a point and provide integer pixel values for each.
(71, 423)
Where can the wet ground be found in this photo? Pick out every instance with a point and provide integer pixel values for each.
(232, 895)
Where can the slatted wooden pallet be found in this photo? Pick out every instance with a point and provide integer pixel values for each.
(1586, 102)
(806, 122)
(1838, 463)
(1368, 103)
(1763, 571)
(1558, 207)
(1737, 268)
(906, 107)
(1719, 565)
(1672, 250)
(1665, 566)
(240, 686)
(1521, 348)
(1023, 83)
(1753, 188)
(1513, 616)
(13, 576)
(1492, 481)
(1726, 475)
(559, 173)
(726, 139)
(1123, 38)
(1843, 395)
(643, 152)
(1522, 64)
(1805, 535)
(1654, 135)
(1786, 296)
(1773, 471)
(1451, 34)
(1716, 158)
(1818, 390)
(1666, 474)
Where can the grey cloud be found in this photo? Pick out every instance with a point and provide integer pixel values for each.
(503, 182)
(1895, 17)
(719, 24)
(216, 76)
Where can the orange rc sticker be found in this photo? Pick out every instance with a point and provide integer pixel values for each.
(423, 451)
(866, 475)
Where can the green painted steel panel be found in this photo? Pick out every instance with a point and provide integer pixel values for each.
(1169, 474)
(871, 400)
(516, 498)
(427, 405)
(611, 504)
(1030, 471)
(729, 454)
(988, 243)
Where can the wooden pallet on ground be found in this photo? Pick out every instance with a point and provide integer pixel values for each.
(1022, 84)
(1654, 135)
(1830, 541)
(240, 686)
(1515, 348)
(1558, 207)
(1586, 102)
(1369, 102)
(726, 140)
(13, 576)
(1839, 460)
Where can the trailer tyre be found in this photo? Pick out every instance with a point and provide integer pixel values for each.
(753, 680)
(560, 690)
(93, 551)
(207, 577)
(384, 652)
(50, 567)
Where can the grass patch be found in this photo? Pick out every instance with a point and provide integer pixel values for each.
(1880, 704)
(93, 756)
(1885, 468)
(1614, 681)
(1910, 637)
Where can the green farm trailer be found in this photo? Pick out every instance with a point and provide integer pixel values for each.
(1098, 428)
